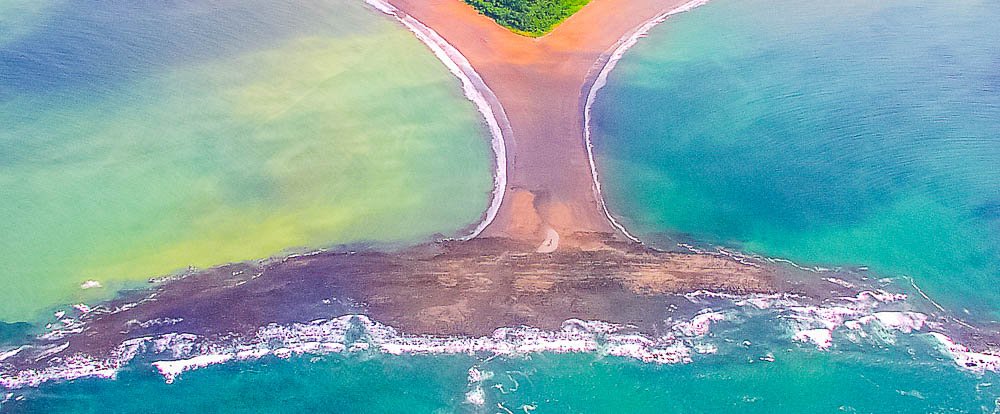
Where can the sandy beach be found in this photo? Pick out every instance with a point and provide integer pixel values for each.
(542, 83)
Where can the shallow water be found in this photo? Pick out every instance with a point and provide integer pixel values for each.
(832, 134)
(140, 139)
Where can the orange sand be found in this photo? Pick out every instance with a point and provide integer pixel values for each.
(539, 82)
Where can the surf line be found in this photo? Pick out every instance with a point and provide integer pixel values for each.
(475, 90)
(599, 79)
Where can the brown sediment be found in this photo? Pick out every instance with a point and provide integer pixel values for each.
(457, 288)
(465, 288)
(540, 83)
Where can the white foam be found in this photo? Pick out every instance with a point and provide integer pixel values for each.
(839, 282)
(816, 323)
(187, 351)
(475, 375)
(905, 322)
(978, 362)
(154, 322)
(476, 397)
(757, 300)
(71, 368)
(706, 349)
(883, 324)
(475, 90)
(822, 337)
(90, 284)
(700, 324)
(810, 324)
(52, 351)
(70, 328)
(252, 353)
(171, 369)
(12, 352)
(673, 353)
(827, 317)
(762, 302)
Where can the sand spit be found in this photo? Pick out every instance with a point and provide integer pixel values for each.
(541, 84)
(547, 270)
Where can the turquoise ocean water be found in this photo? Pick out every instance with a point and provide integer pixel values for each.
(828, 133)
(908, 377)
(832, 134)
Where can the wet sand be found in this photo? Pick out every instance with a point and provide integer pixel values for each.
(458, 289)
(541, 84)
(467, 288)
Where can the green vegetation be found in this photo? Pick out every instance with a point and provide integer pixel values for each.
(528, 17)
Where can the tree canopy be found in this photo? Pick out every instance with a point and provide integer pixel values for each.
(528, 17)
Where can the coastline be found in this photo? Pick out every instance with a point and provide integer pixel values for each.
(476, 91)
(598, 81)
(457, 289)
(492, 110)
(484, 296)
(486, 101)
(552, 192)
(173, 333)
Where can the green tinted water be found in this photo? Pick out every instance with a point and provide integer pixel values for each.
(197, 136)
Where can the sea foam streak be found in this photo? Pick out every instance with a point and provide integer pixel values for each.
(601, 79)
(475, 90)
(179, 352)
(979, 362)
(171, 369)
(868, 315)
